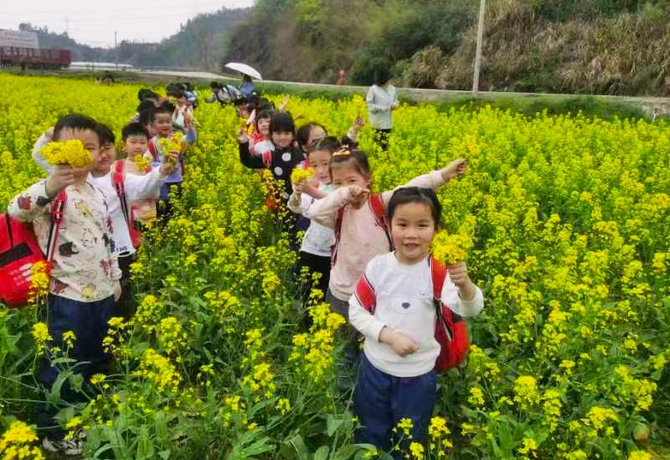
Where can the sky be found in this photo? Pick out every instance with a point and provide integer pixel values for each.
(94, 22)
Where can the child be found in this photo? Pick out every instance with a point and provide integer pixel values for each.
(135, 187)
(281, 161)
(311, 132)
(160, 122)
(261, 140)
(397, 378)
(85, 278)
(361, 235)
(318, 240)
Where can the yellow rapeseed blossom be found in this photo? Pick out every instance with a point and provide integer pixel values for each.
(70, 152)
(15, 443)
(300, 174)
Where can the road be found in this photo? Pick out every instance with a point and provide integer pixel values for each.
(654, 106)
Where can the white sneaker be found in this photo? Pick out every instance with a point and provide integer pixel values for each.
(62, 446)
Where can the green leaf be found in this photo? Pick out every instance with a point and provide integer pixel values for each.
(333, 423)
(145, 446)
(294, 447)
(165, 454)
(322, 453)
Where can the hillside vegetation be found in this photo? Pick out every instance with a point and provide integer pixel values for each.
(617, 47)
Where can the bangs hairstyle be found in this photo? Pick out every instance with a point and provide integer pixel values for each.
(165, 107)
(329, 144)
(76, 122)
(145, 93)
(105, 134)
(304, 131)
(134, 129)
(145, 105)
(282, 122)
(354, 158)
(407, 195)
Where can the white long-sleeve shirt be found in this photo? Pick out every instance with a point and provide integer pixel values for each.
(318, 239)
(379, 101)
(137, 188)
(404, 296)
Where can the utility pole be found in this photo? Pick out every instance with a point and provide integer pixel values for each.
(116, 52)
(478, 54)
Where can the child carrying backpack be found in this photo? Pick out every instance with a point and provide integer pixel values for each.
(409, 309)
(358, 219)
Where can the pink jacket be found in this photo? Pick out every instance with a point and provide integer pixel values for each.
(361, 238)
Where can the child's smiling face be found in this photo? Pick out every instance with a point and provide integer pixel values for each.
(282, 139)
(412, 230)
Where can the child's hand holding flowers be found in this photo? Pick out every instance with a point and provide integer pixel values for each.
(169, 164)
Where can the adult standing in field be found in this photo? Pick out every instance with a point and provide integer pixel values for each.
(381, 101)
(247, 88)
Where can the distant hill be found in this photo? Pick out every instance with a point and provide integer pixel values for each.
(200, 44)
(617, 47)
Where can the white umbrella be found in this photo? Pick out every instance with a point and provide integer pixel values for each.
(245, 69)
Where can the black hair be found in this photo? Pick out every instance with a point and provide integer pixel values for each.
(165, 107)
(246, 78)
(105, 134)
(304, 131)
(145, 105)
(329, 143)
(134, 129)
(426, 196)
(382, 75)
(215, 85)
(76, 121)
(145, 117)
(265, 104)
(145, 93)
(356, 158)
(264, 113)
(282, 122)
(177, 93)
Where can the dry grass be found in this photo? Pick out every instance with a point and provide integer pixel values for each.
(628, 54)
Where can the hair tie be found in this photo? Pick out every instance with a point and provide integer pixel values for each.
(345, 151)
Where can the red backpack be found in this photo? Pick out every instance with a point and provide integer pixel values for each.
(19, 251)
(450, 329)
(118, 180)
(378, 210)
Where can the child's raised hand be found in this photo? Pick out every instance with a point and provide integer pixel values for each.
(284, 103)
(242, 136)
(60, 177)
(358, 193)
(454, 169)
(169, 163)
(401, 344)
(359, 122)
(458, 273)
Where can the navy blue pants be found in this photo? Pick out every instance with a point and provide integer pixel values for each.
(88, 321)
(381, 401)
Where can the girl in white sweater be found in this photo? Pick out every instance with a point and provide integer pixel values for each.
(397, 378)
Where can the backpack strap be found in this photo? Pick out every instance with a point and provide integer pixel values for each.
(57, 210)
(376, 204)
(118, 180)
(338, 234)
(438, 274)
(152, 149)
(366, 295)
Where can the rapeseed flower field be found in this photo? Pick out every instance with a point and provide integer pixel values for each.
(565, 222)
